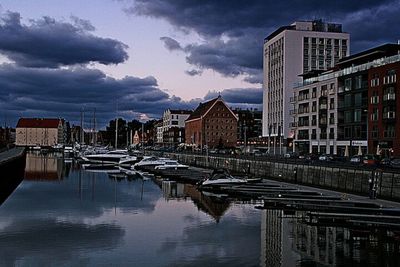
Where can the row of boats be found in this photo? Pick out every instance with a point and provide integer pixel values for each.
(117, 159)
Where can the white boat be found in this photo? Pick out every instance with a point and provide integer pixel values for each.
(222, 177)
(114, 156)
(128, 160)
(150, 161)
(171, 164)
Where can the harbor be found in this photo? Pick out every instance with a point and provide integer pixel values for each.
(102, 213)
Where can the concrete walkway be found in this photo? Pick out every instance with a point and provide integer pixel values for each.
(11, 154)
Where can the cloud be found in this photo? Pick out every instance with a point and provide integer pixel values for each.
(44, 92)
(47, 42)
(233, 31)
(239, 95)
(193, 72)
(171, 44)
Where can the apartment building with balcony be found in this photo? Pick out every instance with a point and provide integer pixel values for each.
(384, 110)
(351, 107)
(301, 47)
(315, 116)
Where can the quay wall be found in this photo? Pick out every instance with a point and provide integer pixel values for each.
(12, 168)
(342, 179)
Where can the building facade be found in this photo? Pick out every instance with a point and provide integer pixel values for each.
(315, 117)
(289, 52)
(384, 110)
(352, 109)
(249, 125)
(173, 119)
(212, 124)
(40, 132)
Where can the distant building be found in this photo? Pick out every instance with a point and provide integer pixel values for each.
(213, 124)
(7, 136)
(249, 125)
(158, 127)
(39, 131)
(173, 131)
(292, 50)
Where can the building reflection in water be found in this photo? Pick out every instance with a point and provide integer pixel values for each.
(291, 241)
(48, 167)
(215, 207)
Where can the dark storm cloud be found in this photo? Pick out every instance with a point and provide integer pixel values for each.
(171, 44)
(239, 96)
(37, 92)
(50, 43)
(193, 72)
(234, 30)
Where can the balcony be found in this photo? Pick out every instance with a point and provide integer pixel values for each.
(322, 136)
(389, 134)
(303, 97)
(322, 121)
(313, 122)
(389, 97)
(313, 95)
(293, 124)
(303, 110)
(323, 106)
(331, 120)
(303, 123)
(313, 136)
(303, 137)
(389, 115)
(293, 99)
(313, 108)
(293, 112)
(332, 91)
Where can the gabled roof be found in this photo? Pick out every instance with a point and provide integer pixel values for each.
(38, 123)
(203, 109)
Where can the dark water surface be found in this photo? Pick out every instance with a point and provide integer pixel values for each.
(61, 215)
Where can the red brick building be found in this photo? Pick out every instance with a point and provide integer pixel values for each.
(384, 109)
(213, 124)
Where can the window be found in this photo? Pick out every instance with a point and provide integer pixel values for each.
(347, 84)
(357, 115)
(357, 99)
(347, 132)
(348, 117)
(357, 132)
(358, 84)
(375, 80)
(374, 98)
(347, 101)
(374, 114)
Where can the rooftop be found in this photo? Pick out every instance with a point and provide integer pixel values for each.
(38, 123)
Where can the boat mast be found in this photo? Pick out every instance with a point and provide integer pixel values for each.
(116, 129)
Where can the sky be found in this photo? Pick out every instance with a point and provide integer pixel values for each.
(136, 58)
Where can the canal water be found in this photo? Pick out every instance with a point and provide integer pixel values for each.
(63, 215)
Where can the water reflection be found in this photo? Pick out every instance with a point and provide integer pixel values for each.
(213, 206)
(45, 167)
(292, 241)
(99, 218)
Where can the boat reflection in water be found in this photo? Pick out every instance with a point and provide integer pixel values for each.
(63, 215)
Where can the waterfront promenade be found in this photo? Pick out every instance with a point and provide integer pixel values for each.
(11, 155)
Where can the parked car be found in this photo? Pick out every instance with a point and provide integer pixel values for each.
(385, 162)
(395, 163)
(310, 157)
(325, 157)
(357, 159)
(291, 155)
(370, 160)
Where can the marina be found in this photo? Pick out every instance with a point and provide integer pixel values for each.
(101, 215)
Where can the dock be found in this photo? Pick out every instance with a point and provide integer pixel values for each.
(319, 206)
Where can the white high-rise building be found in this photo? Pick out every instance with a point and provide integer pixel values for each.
(290, 51)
